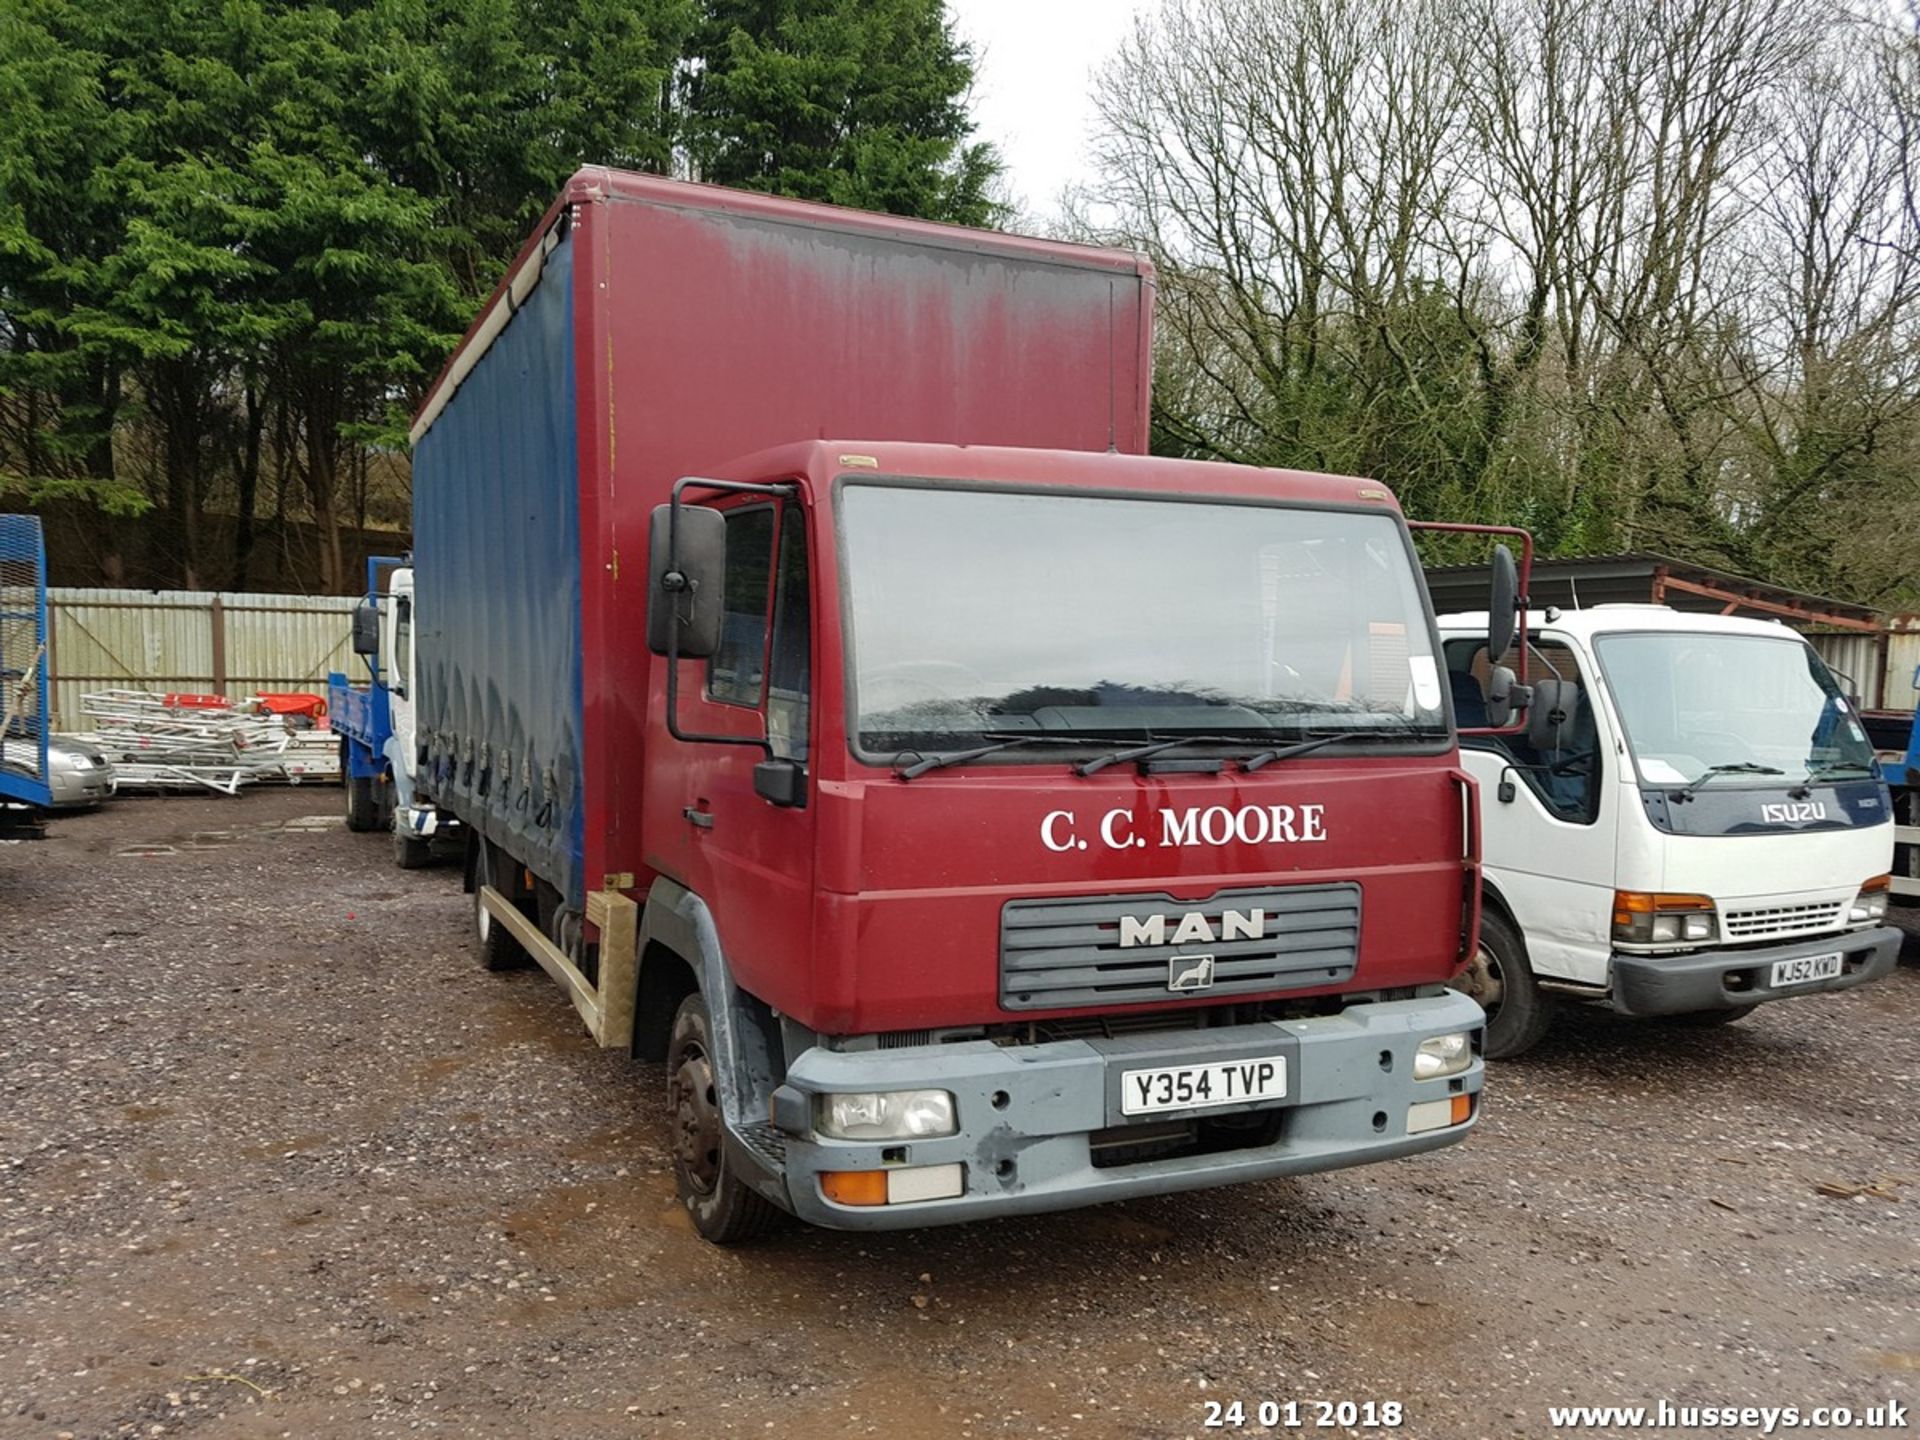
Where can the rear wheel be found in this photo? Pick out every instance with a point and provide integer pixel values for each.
(724, 1209)
(1501, 979)
(1906, 858)
(495, 943)
(363, 806)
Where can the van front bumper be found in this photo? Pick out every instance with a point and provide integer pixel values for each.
(1029, 1116)
(1739, 979)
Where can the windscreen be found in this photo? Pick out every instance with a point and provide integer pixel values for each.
(1696, 704)
(976, 614)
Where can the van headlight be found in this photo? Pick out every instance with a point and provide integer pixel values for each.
(1641, 918)
(1871, 903)
(885, 1115)
(1442, 1055)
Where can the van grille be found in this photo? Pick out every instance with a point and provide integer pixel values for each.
(1058, 954)
(1773, 920)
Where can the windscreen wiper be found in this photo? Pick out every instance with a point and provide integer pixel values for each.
(1287, 752)
(1157, 744)
(1257, 761)
(1835, 771)
(1743, 767)
(960, 757)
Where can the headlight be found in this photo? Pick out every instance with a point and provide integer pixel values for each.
(78, 762)
(1871, 903)
(1442, 1055)
(885, 1115)
(1640, 918)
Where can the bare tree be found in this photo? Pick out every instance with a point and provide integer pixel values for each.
(1633, 271)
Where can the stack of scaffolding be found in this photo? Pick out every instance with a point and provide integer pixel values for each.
(184, 742)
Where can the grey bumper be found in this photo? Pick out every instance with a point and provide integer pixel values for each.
(1026, 1112)
(81, 787)
(1737, 979)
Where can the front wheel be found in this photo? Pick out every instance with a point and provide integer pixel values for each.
(1501, 979)
(410, 851)
(724, 1208)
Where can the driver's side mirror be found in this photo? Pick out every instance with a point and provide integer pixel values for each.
(686, 579)
(366, 628)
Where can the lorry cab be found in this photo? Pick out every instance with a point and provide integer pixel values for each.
(1056, 786)
(1686, 821)
(396, 651)
(376, 718)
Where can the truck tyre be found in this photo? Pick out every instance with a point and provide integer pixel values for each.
(1501, 979)
(724, 1209)
(495, 943)
(410, 851)
(363, 808)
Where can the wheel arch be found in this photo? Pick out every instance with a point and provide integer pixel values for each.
(1493, 902)
(681, 954)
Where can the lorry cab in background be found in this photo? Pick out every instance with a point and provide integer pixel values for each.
(1686, 821)
(376, 718)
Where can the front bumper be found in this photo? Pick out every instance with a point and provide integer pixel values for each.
(1026, 1113)
(1737, 979)
(74, 788)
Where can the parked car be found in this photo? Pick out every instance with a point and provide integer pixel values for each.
(78, 773)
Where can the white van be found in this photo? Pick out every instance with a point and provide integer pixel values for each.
(1685, 821)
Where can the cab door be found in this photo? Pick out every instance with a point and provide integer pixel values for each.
(401, 700)
(748, 857)
(1549, 850)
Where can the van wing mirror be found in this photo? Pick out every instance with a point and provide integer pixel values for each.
(686, 580)
(1502, 602)
(366, 628)
(1505, 697)
(1551, 716)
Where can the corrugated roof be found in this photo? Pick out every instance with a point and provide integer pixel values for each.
(1641, 577)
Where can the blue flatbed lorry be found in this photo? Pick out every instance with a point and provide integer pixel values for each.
(25, 793)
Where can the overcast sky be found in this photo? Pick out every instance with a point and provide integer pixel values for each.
(1035, 59)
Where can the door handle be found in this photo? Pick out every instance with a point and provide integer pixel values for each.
(702, 819)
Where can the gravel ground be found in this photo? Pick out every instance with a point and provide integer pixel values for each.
(279, 1160)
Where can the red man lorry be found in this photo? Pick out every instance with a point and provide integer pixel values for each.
(975, 815)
